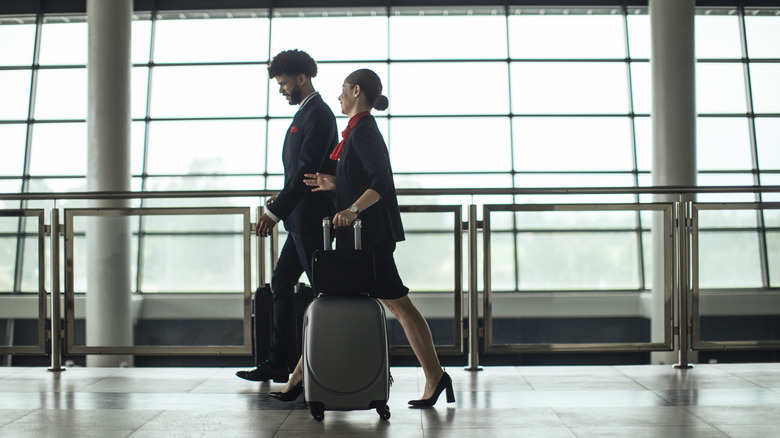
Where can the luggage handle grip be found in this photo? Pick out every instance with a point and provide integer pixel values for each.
(326, 225)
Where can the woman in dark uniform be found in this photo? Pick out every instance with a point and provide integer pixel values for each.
(364, 188)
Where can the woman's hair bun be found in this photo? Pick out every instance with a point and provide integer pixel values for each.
(381, 103)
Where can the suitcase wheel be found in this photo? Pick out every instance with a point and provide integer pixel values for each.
(384, 413)
(318, 413)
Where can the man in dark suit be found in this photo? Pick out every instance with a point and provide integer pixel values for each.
(309, 141)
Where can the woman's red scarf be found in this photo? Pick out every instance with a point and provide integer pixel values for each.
(345, 134)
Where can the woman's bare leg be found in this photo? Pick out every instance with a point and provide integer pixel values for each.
(419, 335)
(295, 377)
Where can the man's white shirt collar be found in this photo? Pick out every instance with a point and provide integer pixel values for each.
(308, 98)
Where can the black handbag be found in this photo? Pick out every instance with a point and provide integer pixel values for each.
(342, 271)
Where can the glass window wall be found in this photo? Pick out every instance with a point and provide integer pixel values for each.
(479, 97)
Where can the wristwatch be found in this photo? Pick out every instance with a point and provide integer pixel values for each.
(353, 209)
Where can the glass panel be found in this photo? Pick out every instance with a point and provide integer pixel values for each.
(10, 225)
(648, 264)
(766, 87)
(335, 37)
(59, 149)
(15, 89)
(426, 261)
(448, 37)
(20, 30)
(418, 222)
(541, 180)
(277, 128)
(720, 88)
(30, 267)
(503, 268)
(551, 88)
(577, 261)
(729, 260)
(8, 253)
(64, 41)
(641, 87)
(56, 185)
(196, 183)
(482, 88)
(211, 40)
(573, 144)
(328, 82)
(61, 94)
(10, 186)
(566, 36)
(111, 229)
(421, 143)
(579, 220)
(763, 33)
(771, 179)
(204, 147)
(717, 36)
(638, 34)
(139, 89)
(453, 181)
(137, 138)
(767, 140)
(209, 91)
(12, 140)
(192, 264)
(709, 219)
(725, 179)
(202, 223)
(773, 253)
(723, 144)
(141, 41)
(643, 132)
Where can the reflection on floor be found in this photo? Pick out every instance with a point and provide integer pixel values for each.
(735, 400)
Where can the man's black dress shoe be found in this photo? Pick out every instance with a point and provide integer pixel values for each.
(264, 372)
(290, 395)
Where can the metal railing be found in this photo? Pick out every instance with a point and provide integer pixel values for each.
(680, 287)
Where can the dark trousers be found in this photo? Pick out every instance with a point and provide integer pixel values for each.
(294, 260)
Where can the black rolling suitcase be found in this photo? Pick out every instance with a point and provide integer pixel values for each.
(262, 319)
(345, 348)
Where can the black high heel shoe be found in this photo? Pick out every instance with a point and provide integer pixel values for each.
(444, 383)
(290, 395)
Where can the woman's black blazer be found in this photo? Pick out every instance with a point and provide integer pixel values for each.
(365, 164)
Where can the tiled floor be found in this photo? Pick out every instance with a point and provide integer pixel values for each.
(735, 400)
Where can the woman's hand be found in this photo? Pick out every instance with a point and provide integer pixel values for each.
(320, 181)
(344, 218)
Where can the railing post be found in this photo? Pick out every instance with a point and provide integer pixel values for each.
(473, 293)
(684, 284)
(56, 319)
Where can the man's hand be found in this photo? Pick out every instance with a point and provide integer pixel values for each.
(264, 226)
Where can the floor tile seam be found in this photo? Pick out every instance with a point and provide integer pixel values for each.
(691, 413)
(32, 411)
(159, 413)
(721, 431)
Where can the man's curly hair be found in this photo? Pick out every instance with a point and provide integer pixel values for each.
(292, 62)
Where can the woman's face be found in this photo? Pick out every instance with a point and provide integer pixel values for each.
(347, 98)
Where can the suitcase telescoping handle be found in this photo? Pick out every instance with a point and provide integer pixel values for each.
(357, 225)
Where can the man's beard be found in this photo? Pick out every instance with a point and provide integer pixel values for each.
(295, 96)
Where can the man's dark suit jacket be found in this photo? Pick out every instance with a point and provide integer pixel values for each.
(309, 141)
(365, 164)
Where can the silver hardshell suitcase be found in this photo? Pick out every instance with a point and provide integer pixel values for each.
(345, 353)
